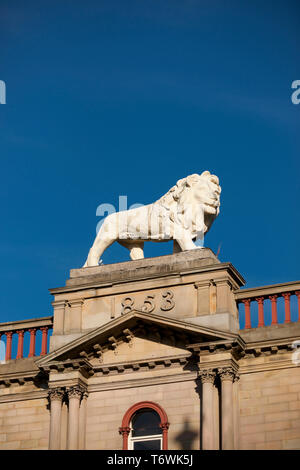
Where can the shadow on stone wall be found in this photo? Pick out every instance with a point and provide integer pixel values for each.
(186, 439)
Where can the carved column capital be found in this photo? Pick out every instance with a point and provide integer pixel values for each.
(56, 394)
(164, 426)
(236, 377)
(207, 376)
(32, 330)
(226, 373)
(273, 297)
(75, 392)
(125, 430)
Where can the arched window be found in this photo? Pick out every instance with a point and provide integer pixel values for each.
(145, 427)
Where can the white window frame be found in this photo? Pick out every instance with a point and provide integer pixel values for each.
(132, 440)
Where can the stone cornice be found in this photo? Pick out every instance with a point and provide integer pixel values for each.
(12, 375)
(24, 396)
(133, 318)
(176, 265)
(236, 347)
(143, 364)
(81, 364)
(267, 348)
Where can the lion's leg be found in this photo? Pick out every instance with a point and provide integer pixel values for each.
(99, 246)
(135, 248)
(186, 243)
(137, 251)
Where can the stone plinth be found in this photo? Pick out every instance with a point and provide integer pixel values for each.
(193, 286)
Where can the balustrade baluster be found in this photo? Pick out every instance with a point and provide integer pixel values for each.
(247, 303)
(287, 306)
(273, 299)
(260, 301)
(20, 344)
(44, 330)
(297, 293)
(32, 332)
(8, 345)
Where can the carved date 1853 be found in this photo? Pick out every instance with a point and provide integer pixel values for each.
(166, 303)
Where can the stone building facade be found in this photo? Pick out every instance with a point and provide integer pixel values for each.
(155, 341)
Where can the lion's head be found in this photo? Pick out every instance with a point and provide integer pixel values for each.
(193, 191)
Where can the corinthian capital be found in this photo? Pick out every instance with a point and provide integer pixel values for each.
(56, 394)
(207, 376)
(75, 392)
(226, 373)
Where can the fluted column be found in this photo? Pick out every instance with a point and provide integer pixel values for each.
(207, 379)
(82, 421)
(74, 395)
(227, 376)
(55, 397)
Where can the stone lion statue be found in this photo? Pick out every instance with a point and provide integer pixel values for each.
(184, 214)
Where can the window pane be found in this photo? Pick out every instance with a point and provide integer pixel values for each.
(147, 445)
(146, 423)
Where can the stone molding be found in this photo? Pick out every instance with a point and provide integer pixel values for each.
(75, 303)
(24, 396)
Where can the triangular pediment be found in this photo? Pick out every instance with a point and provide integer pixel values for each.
(134, 336)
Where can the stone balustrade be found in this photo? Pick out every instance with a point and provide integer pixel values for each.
(19, 328)
(289, 293)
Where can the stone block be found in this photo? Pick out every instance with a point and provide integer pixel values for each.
(291, 444)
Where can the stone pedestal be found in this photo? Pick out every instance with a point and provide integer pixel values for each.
(193, 286)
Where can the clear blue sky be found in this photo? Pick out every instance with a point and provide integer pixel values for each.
(115, 97)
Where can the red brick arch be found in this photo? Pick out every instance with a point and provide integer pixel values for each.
(164, 424)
